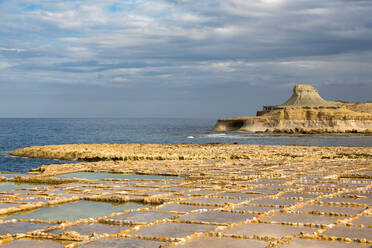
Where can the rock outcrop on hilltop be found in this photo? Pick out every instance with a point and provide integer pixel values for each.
(306, 95)
(305, 112)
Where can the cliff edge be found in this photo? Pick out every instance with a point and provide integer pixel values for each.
(305, 112)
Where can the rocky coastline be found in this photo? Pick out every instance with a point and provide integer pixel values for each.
(305, 112)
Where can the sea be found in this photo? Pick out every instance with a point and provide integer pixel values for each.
(22, 132)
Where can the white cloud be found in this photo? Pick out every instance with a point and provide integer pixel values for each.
(18, 50)
(229, 31)
(4, 64)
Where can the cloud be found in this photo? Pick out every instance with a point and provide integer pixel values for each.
(11, 49)
(4, 64)
(186, 45)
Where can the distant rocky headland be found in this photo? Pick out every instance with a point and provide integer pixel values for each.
(305, 112)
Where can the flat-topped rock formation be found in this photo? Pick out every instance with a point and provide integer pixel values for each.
(305, 112)
(306, 96)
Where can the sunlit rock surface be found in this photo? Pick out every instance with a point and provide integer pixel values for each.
(305, 112)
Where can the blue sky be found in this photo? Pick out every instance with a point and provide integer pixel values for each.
(178, 58)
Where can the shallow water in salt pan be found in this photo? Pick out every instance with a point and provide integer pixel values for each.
(75, 210)
(13, 186)
(98, 176)
(11, 175)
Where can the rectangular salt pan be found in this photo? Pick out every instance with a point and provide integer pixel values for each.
(143, 217)
(330, 209)
(32, 243)
(214, 201)
(99, 176)
(350, 232)
(217, 216)
(11, 175)
(305, 243)
(88, 229)
(7, 205)
(173, 230)
(271, 230)
(240, 195)
(13, 186)
(225, 242)
(302, 218)
(20, 227)
(179, 208)
(253, 208)
(119, 243)
(274, 202)
(74, 211)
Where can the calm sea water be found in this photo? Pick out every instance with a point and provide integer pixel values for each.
(18, 133)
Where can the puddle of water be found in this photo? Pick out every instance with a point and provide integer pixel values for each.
(12, 186)
(11, 175)
(102, 175)
(75, 211)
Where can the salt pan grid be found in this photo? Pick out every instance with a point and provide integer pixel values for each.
(263, 196)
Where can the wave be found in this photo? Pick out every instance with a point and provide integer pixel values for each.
(245, 136)
(216, 135)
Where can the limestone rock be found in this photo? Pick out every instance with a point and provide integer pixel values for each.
(305, 112)
(306, 95)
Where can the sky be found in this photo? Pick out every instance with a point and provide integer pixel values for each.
(178, 58)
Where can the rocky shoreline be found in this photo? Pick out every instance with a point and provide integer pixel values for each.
(270, 125)
(180, 152)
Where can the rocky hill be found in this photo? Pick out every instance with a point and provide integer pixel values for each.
(305, 112)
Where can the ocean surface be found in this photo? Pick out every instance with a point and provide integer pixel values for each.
(17, 133)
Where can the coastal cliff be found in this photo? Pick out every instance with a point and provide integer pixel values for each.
(305, 112)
